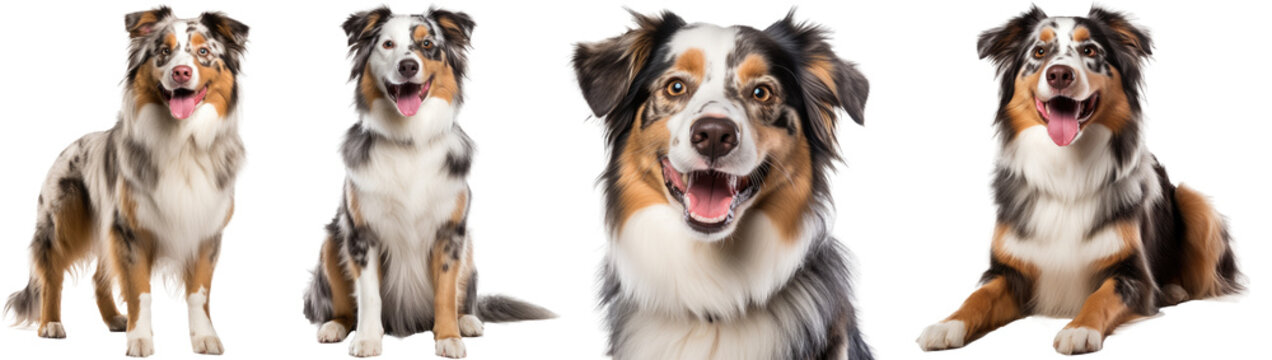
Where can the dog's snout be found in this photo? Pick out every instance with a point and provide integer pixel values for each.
(181, 74)
(714, 137)
(408, 68)
(1060, 76)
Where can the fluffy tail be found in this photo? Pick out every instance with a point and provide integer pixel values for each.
(499, 308)
(318, 298)
(1210, 269)
(25, 304)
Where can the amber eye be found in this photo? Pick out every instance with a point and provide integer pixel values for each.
(427, 44)
(762, 93)
(203, 51)
(388, 44)
(676, 88)
(1039, 52)
(1090, 50)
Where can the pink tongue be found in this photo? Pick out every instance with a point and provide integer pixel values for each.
(182, 107)
(1062, 128)
(709, 197)
(408, 104)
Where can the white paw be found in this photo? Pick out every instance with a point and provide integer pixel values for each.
(1079, 340)
(207, 344)
(943, 335)
(365, 346)
(52, 330)
(332, 332)
(119, 323)
(470, 326)
(141, 346)
(452, 348)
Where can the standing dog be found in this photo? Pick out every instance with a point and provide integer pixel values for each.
(157, 189)
(1089, 226)
(399, 239)
(720, 139)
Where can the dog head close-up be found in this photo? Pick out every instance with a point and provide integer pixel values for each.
(184, 63)
(1067, 73)
(716, 120)
(400, 61)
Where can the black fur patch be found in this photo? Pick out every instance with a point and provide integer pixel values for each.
(460, 160)
(1020, 286)
(1134, 284)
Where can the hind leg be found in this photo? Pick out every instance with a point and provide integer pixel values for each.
(469, 324)
(103, 288)
(1209, 268)
(198, 284)
(60, 240)
(342, 300)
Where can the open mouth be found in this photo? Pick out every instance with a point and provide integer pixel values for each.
(181, 102)
(408, 96)
(1065, 116)
(708, 196)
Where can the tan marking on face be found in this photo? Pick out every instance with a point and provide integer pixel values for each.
(1081, 34)
(1021, 109)
(751, 68)
(419, 33)
(217, 78)
(692, 61)
(1047, 35)
(640, 183)
(444, 85)
(1204, 244)
(787, 194)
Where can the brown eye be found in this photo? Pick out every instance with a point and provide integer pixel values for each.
(1039, 52)
(1090, 51)
(762, 93)
(427, 44)
(203, 51)
(388, 44)
(676, 88)
(165, 51)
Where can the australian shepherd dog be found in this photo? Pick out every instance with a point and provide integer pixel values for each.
(398, 253)
(1089, 227)
(717, 196)
(154, 191)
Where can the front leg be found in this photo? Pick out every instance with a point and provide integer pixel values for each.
(445, 264)
(367, 340)
(990, 307)
(1127, 291)
(132, 255)
(198, 284)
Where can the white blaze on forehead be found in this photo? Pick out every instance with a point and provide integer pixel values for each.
(383, 61)
(709, 97)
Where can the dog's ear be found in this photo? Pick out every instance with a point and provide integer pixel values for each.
(1005, 44)
(457, 27)
(826, 81)
(231, 33)
(606, 69)
(362, 25)
(1132, 39)
(141, 23)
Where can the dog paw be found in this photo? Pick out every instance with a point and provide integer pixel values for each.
(119, 323)
(1078, 340)
(364, 347)
(1175, 294)
(470, 326)
(207, 344)
(943, 335)
(52, 330)
(332, 332)
(141, 346)
(452, 348)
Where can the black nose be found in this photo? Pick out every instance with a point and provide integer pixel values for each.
(1059, 76)
(714, 137)
(408, 68)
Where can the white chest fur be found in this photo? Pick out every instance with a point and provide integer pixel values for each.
(755, 336)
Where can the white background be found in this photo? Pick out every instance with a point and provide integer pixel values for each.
(914, 198)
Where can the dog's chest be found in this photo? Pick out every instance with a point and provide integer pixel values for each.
(186, 205)
(756, 336)
(405, 193)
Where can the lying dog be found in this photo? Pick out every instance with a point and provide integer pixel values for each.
(1089, 226)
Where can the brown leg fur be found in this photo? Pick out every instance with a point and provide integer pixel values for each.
(1205, 246)
(990, 307)
(1102, 312)
(104, 289)
(342, 300)
(72, 223)
(444, 268)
